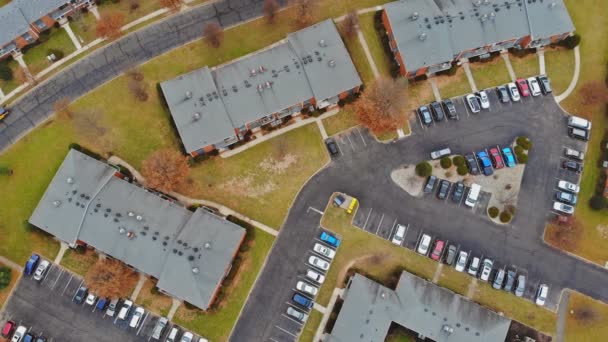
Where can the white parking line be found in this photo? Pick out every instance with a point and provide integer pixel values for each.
(141, 326)
(66, 285)
(361, 135)
(56, 280)
(367, 219)
(419, 120)
(351, 142)
(315, 210)
(379, 224)
(391, 231)
(273, 340)
(464, 103)
(285, 331)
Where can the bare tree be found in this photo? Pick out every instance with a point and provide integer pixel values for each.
(110, 278)
(382, 107)
(350, 24)
(305, 11)
(139, 90)
(271, 7)
(62, 109)
(214, 34)
(173, 5)
(109, 25)
(23, 76)
(90, 128)
(165, 170)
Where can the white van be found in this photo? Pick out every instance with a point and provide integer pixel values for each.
(399, 235)
(576, 122)
(473, 195)
(440, 153)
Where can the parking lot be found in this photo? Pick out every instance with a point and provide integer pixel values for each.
(351, 142)
(47, 308)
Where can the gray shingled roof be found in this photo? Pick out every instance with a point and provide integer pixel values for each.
(201, 120)
(332, 70)
(12, 23)
(370, 308)
(444, 28)
(187, 252)
(36, 9)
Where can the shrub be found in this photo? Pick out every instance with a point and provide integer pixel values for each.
(524, 142)
(446, 162)
(518, 150)
(58, 53)
(5, 276)
(462, 170)
(6, 73)
(598, 202)
(493, 212)
(522, 158)
(505, 217)
(571, 42)
(424, 169)
(6, 171)
(458, 160)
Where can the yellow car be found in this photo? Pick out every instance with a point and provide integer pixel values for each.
(3, 113)
(352, 206)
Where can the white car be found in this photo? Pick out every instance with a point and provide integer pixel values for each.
(474, 267)
(513, 92)
(300, 316)
(534, 86)
(567, 186)
(473, 103)
(425, 243)
(483, 99)
(307, 288)
(325, 251)
(187, 337)
(136, 319)
(541, 294)
(318, 262)
(399, 235)
(461, 262)
(91, 298)
(563, 208)
(315, 276)
(486, 269)
(41, 270)
(125, 309)
(19, 333)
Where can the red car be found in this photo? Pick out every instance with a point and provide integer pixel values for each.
(8, 328)
(437, 249)
(496, 158)
(522, 85)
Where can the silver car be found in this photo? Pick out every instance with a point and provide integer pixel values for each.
(486, 269)
(521, 285)
(499, 279)
(461, 262)
(300, 316)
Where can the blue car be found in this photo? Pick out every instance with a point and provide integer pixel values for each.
(485, 163)
(305, 302)
(30, 265)
(102, 303)
(330, 239)
(509, 158)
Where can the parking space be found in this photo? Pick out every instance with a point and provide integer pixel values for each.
(47, 308)
(352, 141)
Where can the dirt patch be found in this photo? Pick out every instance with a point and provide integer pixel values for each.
(278, 166)
(603, 231)
(407, 179)
(245, 186)
(564, 236)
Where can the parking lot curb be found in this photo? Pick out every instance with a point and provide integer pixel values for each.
(10, 294)
(576, 256)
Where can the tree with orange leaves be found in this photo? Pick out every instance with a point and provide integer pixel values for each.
(173, 5)
(109, 25)
(165, 170)
(110, 278)
(382, 106)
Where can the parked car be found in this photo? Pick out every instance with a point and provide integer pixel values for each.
(425, 115)
(522, 86)
(484, 101)
(472, 195)
(315, 276)
(437, 111)
(137, 316)
(318, 262)
(41, 339)
(461, 262)
(458, 192)
(299, 315)
(41, 270)
(503, 94)
(474, 266)
(574, 154)
(28, 337)
(437, 250)
(187, 337)
(325, 251)
(473, 103)
(91, 298)
(399, 235)
(567, 186)
(329, 239)
(430, 184)
(19, 333)
(30, 265)
(496, 158)
(545, 85)
(563, 208)
(102, 303)
(339, 200)
(509, 158)
(305, 302)
(450, 109)
(572, 166)
(499, 279)
(441, 153)
(472, 164)
(111, 311)
(521, 285)
(3, 113)
(159, 328)
(510, 281)
(513, 92)
(534, 86)
(486, 269)
(125, 309)
(450, 255)
(424, 244)
(485, 163)
(8, 328)
(332, 147)
(80, 295)
(444, 189)
(566, 197)
(172, 336)
(541, 294)
(580, 134)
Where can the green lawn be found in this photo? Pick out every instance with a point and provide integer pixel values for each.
(420, 92)
(400, 335)
(359, 59)
(125, 7)
(586, 320)
(8, 86)
(452, 86)
(490, 74)
(83, 26)
(79, 263)
(217, 324)
(392, 135)
(559, 65)
(345, 119)
(526, 66)
(310, 329)
(4, 2)
(150, 298)
(7, 290)
(374, 42)
(35, 57)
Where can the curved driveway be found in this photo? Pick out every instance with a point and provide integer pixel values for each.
(366, 175)
(112, 60)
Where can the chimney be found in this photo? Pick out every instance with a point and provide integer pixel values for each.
(188, 94)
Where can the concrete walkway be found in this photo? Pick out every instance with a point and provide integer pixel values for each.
(435, 89)
(334, 296)
(471, 289)
(319, 308)
(95, 12)
(139, 286)
(174, 306)
(505, 57)
(437, 274)
(467, 71)
(10, 263)
(541, 60)
(65, 24)
(321, 128)
(577, 70)
(368, 54)
(562, 313)
(1, 94)
(62, 248)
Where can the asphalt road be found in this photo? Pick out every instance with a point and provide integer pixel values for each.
(363, 170)
(114, 59)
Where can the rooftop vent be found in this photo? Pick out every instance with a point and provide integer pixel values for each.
(56, 203)
(262, 69)
(447, 329)
(422, 36)
(122, 230)
(486, 2)
(188, 94)
(414, 16)
(322, 43)
(492, 15)
(131, 214)
(139, 217)
(477, 3)
(70, 180)
(195, 270)
(553, 4)
(268, 84)
(260, 88)
(484, 18)
(196, 116)
(207, 245)
(235, 89)
(252, 72)
(130, 235)
(247, 84)
(331, 63)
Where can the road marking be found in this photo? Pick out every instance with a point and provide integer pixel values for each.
(361, 135)
(367, 219)
(391, 231)
(273, 340)
(285, 331)
(351, 142)
(141, 326)
(379, 224)
(56, 280)
(66, 285)
(315, 210)
(419, 120)
(464, 103)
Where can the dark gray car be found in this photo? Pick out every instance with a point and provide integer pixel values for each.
(450, 109)
(444, 189)
(510, 281)
(450, 255)
(437, 111)
(503, 94)
(472, 164)
(458, 192)
(430, 184)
